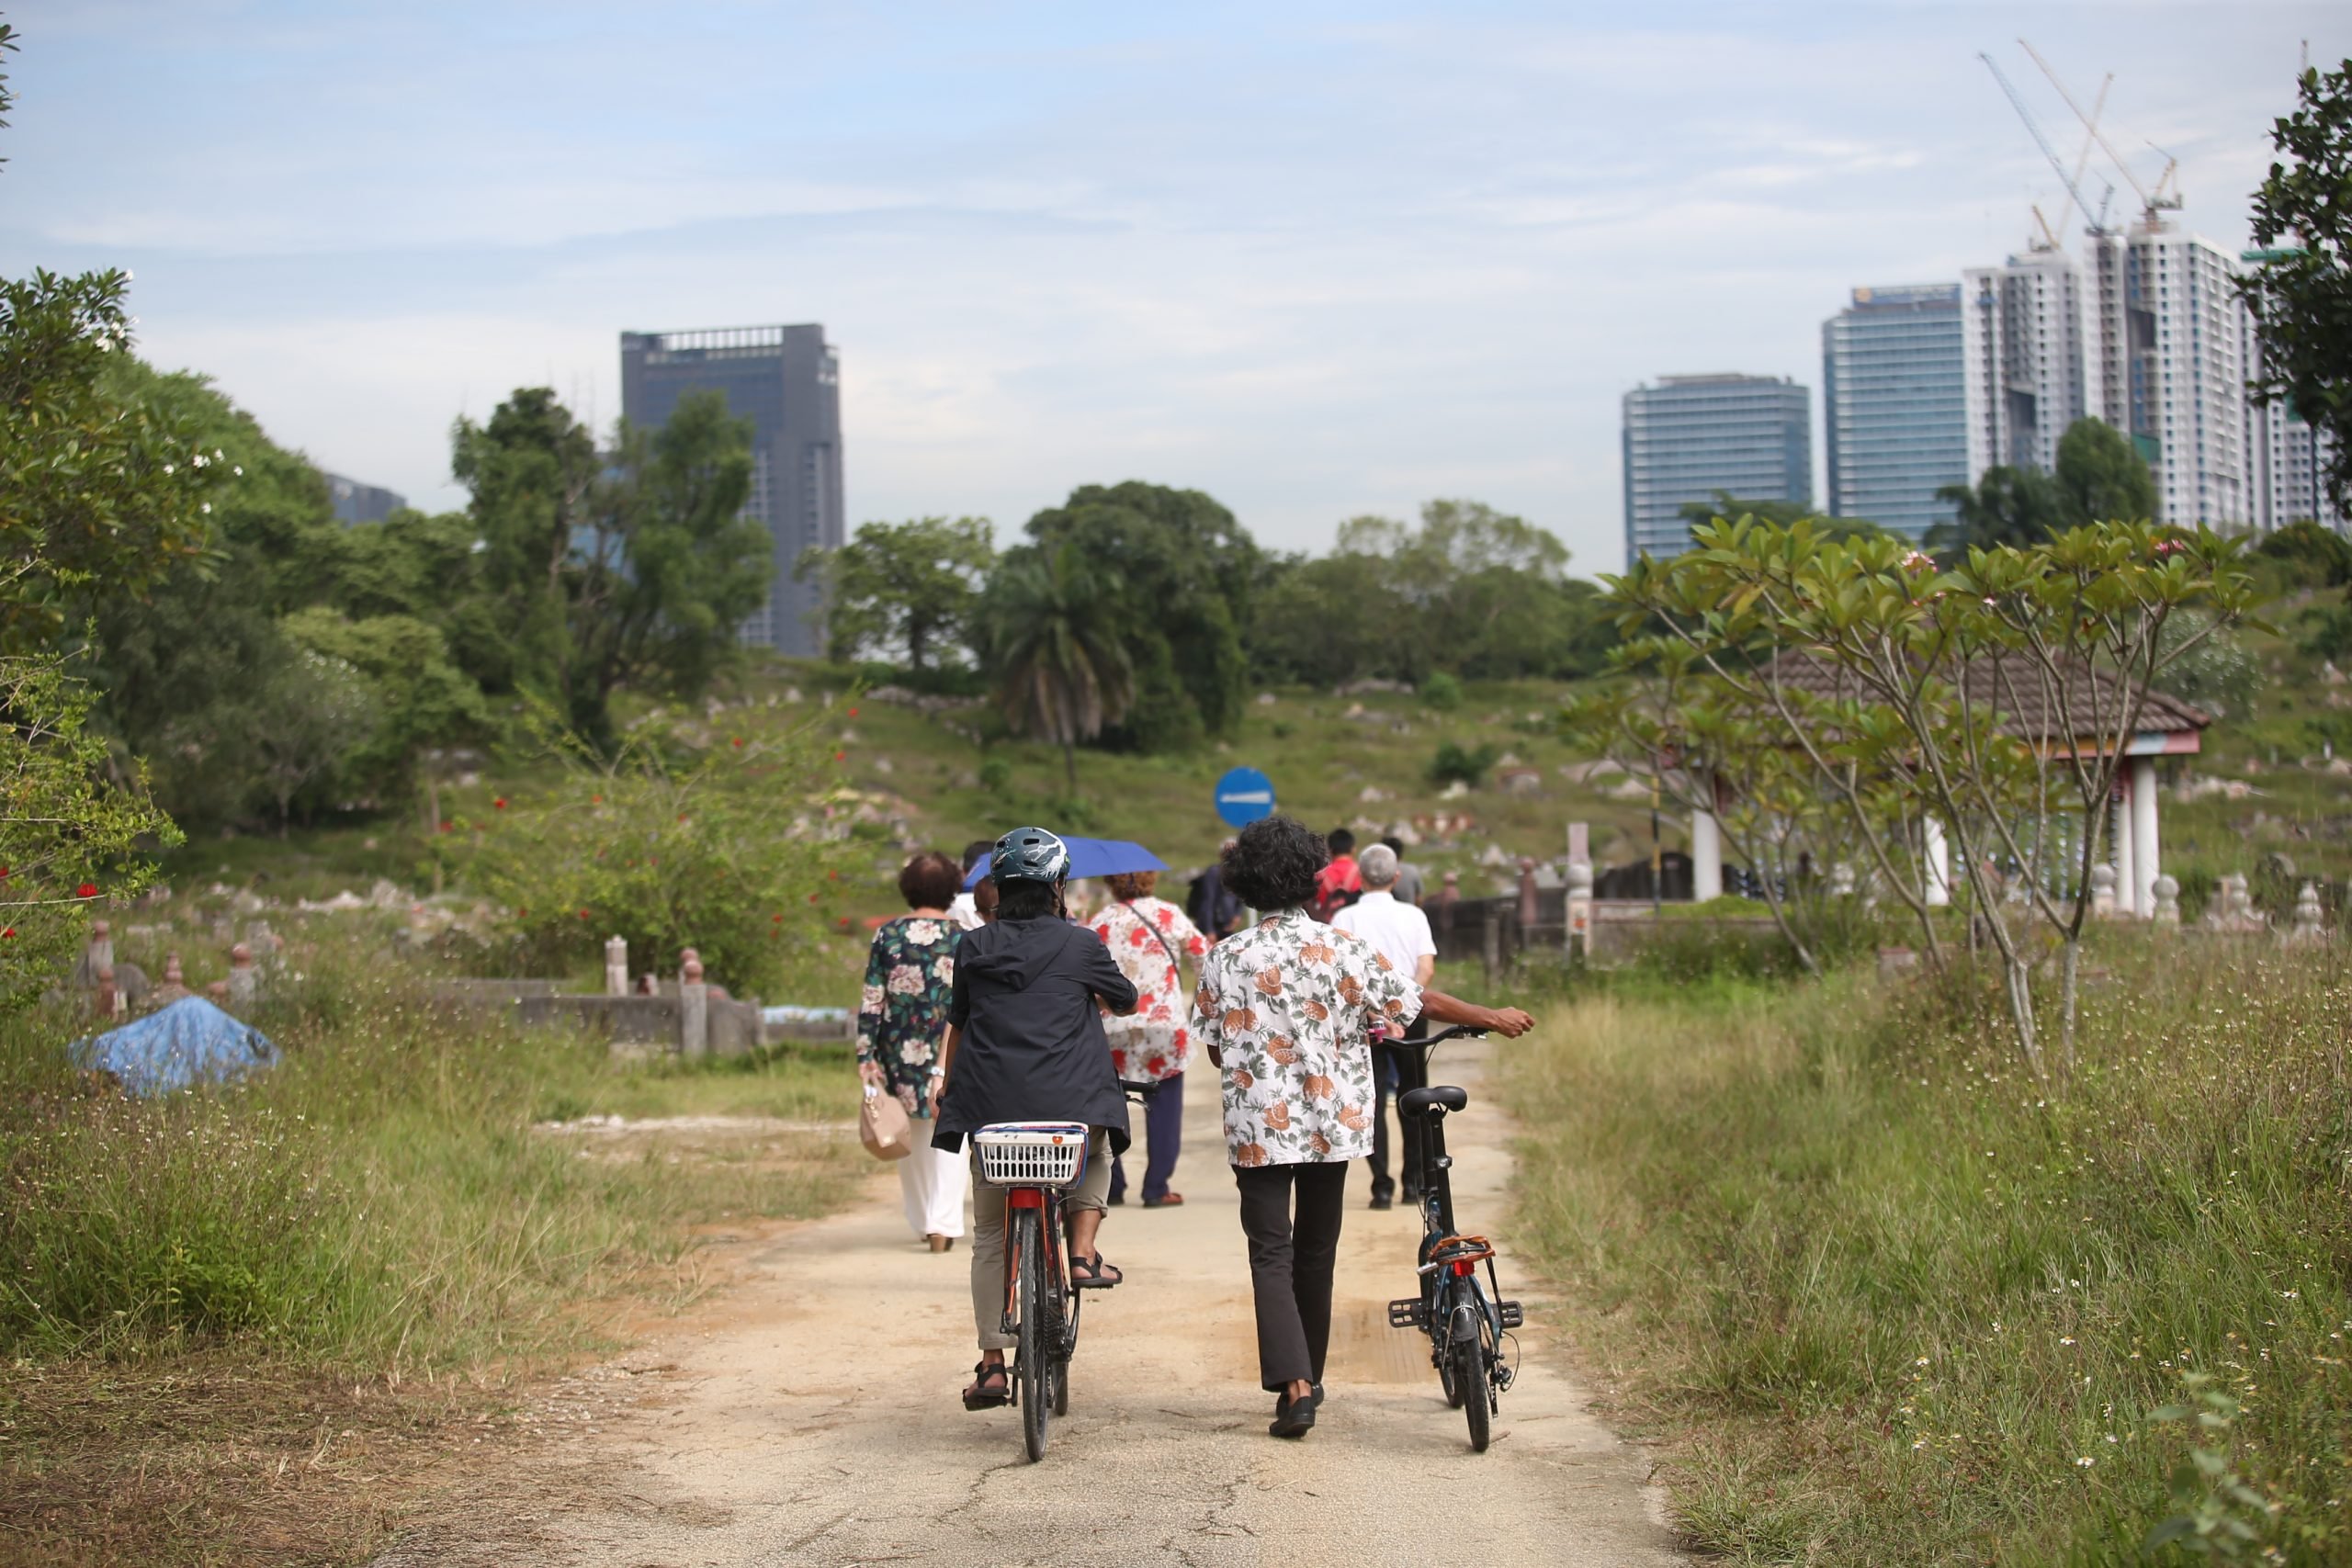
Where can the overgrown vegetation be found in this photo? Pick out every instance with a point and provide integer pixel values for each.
(1890, 1302)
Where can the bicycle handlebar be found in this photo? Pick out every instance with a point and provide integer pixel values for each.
(1458, 1032)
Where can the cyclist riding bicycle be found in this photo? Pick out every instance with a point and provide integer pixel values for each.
(1025, 1043)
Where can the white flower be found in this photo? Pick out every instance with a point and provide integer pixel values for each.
(915, 1053)
(2085, 1461)
(199, 460)
(943, 969)
(922, 933)
(2066, 1340)
(167, 467)
(239, 470)
(906, 980)
(1921, 1361)
(870, 998)
(204, 506)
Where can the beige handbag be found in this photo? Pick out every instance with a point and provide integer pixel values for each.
(883, 1126)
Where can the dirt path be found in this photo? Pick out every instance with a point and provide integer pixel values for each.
(812, 1419)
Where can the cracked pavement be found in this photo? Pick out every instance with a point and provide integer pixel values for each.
(811, 1418)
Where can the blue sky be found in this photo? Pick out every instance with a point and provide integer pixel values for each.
(1317, 260)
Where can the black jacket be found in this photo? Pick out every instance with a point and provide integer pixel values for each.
(1033, 1048)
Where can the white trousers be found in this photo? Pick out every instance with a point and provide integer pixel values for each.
(933, 1185)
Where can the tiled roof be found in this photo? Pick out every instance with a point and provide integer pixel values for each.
(2012, 686)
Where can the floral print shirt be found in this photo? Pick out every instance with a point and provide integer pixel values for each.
(1150, 1043)
(902, 1015)
(1291, 1004)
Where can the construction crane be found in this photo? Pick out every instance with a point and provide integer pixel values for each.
(2166, 197)
(2074, 192)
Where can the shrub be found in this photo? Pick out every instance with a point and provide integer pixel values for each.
(1455, 763)
(1441, 692)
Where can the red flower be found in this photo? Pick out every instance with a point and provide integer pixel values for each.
(4, 870)
(812, 897)
(521, 914)
(87, 890)
(775, 919)
(1180, 1038)
(446, 827)
(840, 756)
(584, 915)
(500, 803)
(739, 743)
(8, 936)
(595, 800)
(852, 713)
(1156, 1066)
(832, 876)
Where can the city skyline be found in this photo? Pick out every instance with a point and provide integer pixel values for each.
(1218, 248)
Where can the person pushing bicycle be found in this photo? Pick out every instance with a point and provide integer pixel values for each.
(1025, 1043)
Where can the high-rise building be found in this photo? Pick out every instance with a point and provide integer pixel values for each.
(787, 381)
(356, 502)
(2173, 336)
(1690, 436)
(1894, 403)
(2031, 361)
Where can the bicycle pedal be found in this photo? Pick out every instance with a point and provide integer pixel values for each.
(1502, 1378)
(1511, 1315)
(1409, 1312)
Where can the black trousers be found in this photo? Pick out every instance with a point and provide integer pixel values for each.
(1292, 1247)
(1409, 1067)
(1163, 1131)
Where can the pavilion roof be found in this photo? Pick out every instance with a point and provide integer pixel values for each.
(2011, 684)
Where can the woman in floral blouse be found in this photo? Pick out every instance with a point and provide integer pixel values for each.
(1147, 936)
(900, 1019)
(1286, 1009)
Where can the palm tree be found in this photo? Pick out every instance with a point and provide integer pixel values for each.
(1062, 672)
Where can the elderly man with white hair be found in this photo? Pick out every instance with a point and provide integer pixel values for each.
(1400, 934)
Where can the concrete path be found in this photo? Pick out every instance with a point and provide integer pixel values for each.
(812, 1417)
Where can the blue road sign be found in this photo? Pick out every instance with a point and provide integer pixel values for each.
(1243, 797)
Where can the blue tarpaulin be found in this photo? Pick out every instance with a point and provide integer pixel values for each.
(1092, 857)
(189, 1042)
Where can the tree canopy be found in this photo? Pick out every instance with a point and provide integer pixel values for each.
(910, 587)
(2301, 289)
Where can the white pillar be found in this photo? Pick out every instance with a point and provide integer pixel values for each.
(2144, 859)
(1706, 857)
(1939, 859)
(2119, 825)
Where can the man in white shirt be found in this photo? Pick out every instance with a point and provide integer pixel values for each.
(965, 910)
(1400, 934)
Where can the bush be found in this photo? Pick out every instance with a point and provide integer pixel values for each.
(1455, 763)
(1441, 692)
(730, 852)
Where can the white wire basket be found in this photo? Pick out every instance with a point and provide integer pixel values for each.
(1032, 1153)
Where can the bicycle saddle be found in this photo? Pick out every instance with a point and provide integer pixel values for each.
(1420, 1101)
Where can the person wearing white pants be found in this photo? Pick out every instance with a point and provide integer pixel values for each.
(901, 1020)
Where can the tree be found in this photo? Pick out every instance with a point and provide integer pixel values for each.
(2101, 477)
(2308, 555)
(1876, 663)
(1185, 574)
(2301, 288)
(1725, 505)
(2017, 507)
(419, 699)
(1063, 672)
(69, 837)
(633, 564)
(910, 587)
(101, 493)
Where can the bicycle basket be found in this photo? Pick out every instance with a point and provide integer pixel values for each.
(1032, 1153)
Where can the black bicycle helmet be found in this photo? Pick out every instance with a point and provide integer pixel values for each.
(1028, 854)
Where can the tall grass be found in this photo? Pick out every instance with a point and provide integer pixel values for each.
(1892, 1304)
(380, 1199)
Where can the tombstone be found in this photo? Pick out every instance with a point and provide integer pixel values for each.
(2308, 929)
(175, 984)
(694, 1006)
(244, 980)
(2103, 892)
(2168, 892)
(1526, 895)
(101, 947)
(1490, 939)
(1897, 961)
(1579, 910)
(615, 967)
(1580, 844)
(105, 1001)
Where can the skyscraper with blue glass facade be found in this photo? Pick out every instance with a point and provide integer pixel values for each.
(1690, 436)
(1894, 405)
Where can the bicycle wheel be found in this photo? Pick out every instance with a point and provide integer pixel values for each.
(1035, 1353)
(1435, 1295)
(1469, 1359)
(1065, 1318)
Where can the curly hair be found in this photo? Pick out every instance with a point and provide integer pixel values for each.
(1127, 884)
(929, 881)
(1273, 863)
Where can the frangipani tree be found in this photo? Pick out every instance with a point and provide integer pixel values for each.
(2006, 689)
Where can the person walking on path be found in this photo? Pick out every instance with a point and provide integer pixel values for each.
(1214, 910)
(1025, 1043)
(1400, 934)
(1411, 886)
(1337, 885)
(901, 1016)
(1148, 936)
(1286, 1010)
(965, 909)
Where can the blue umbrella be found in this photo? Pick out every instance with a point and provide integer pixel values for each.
(1092, 857)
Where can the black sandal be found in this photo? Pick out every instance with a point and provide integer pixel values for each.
(1097, 1276)
(977, 1396)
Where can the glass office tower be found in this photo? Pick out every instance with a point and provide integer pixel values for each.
(1894, 397)
(1690, 436)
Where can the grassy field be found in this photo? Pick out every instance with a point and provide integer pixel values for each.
(374, 1237)
(1885, 1303)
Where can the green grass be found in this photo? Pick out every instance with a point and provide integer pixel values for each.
(1881, 1296)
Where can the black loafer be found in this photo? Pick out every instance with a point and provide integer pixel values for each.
(1294, 1418)
(1381, 1200)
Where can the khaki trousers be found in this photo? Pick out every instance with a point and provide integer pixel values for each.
(1092, 1191)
